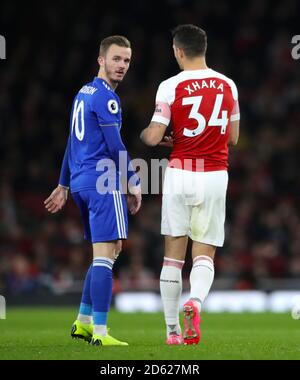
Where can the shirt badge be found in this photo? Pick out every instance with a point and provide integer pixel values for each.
(112, 106)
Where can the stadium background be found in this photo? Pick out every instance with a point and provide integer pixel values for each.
(52, 50)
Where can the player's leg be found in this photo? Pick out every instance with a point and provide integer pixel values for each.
(171, 285)
(85, 309)
(175, 227)
(82, 328)
(201, 279)
(207, 233)
(202, 273)
(101, 292)
(101, 283)
(108, 222)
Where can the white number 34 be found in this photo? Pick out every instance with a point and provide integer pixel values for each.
(214, 120)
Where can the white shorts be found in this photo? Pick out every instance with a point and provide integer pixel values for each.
(194, 204)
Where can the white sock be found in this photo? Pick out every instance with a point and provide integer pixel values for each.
(100, 330)
(201, 278)
(86, 319)
(170, 290)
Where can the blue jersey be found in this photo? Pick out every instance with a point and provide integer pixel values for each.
(95, 124)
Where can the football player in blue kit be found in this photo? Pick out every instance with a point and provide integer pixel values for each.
(92, 168)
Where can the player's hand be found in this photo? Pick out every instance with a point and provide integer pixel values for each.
(57, 199)
(134, 199)
(167, 141)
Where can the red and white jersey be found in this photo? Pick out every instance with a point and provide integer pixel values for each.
(200, 104)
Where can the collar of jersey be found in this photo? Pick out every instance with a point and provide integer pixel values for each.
(103, 82)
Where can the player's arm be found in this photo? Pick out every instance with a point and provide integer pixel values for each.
(59, 195)
(234, 117)
(115, 146)
(234, 132)
(65, 174)
(154, 133)
(109, 124)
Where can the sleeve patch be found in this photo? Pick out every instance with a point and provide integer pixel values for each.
(162, 110)
(113, 106)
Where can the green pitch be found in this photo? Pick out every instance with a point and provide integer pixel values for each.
(43, 333)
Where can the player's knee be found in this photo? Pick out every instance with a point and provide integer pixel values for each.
(118, 248)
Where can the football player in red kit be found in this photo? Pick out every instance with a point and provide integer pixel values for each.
(202, 107)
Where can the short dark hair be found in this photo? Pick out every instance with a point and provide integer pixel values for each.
(191, 39)
(117, 40)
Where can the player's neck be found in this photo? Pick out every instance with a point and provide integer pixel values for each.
(195, 64)
(102, 75)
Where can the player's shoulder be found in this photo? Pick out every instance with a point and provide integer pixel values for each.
(103, 89)
(221, 76)
(88, 89)
(168, 86)
(98, 87)
(104, 99)
(101, 92)
(171, 81)
(229, 81)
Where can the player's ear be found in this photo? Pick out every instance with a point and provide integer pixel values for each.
(180, 52)
(100, 61)
(175, 49)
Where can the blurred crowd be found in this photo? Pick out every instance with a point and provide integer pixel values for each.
(52, 51)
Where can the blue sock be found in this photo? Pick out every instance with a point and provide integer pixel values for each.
(86, 301)
(101, 289)
(85, 309)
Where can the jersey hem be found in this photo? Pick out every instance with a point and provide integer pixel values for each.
(193, 167)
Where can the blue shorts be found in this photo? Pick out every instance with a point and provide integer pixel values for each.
(104, 215)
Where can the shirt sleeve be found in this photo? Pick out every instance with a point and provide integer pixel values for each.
(235, 113)
(162, 113)
(64, 178)
(107, 111)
